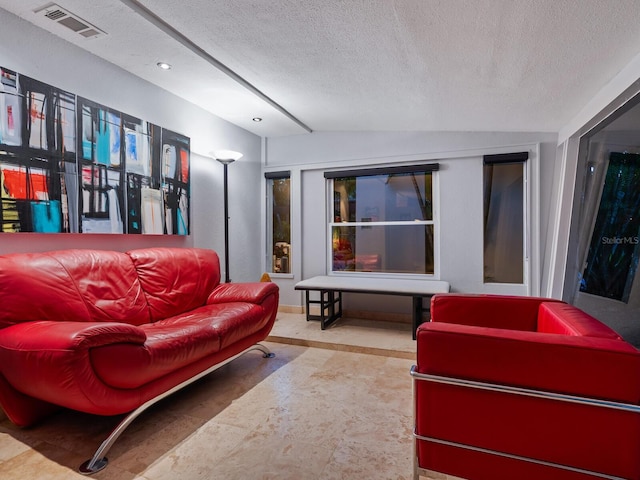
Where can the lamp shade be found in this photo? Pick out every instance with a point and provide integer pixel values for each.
(226, 156)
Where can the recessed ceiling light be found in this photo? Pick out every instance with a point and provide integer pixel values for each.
(257, 119)
(164, 66)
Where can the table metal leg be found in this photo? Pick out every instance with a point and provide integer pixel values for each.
(329, 312)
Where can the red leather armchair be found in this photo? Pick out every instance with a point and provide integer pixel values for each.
(524, 388)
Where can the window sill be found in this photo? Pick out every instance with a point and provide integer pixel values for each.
(281, 275)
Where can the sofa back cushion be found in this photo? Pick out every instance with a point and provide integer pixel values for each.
(487, 310)
(176, 280)
(566, 319)
(70, 285)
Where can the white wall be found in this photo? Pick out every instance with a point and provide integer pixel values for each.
(605, 97)
(460, 185)
(605, 103)
(45, 57)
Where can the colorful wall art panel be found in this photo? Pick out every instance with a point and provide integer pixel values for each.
(37, 147)
(68, 164)
(175, 182)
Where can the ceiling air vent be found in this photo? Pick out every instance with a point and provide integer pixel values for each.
(69, 20)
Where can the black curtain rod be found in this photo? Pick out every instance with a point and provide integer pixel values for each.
(428, 167)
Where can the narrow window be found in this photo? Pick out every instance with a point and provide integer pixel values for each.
(382, 220)
(504, 210)
(278, 222)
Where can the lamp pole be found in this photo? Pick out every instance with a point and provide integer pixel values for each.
(226, 157)
(225, 163)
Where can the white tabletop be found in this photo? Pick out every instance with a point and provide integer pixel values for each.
(374, 285)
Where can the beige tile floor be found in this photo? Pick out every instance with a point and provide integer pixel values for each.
(333, 404)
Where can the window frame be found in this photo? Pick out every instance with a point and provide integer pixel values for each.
(523, 159)
(431, 168)
(269, 244)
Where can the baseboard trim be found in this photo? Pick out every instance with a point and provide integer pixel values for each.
(291, 309)
(378, 316)
(382, 352)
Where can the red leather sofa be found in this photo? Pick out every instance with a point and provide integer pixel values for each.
(524, 388)
(107, 332)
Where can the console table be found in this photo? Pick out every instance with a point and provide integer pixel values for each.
(332, 287)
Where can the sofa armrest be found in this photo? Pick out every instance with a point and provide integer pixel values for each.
(250, 292)
(51, 335)
(584, 366)
(497, 311)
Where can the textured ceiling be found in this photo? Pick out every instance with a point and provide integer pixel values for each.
(437, 65)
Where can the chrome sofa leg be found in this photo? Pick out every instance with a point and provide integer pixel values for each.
(266, 352)
(99, 461)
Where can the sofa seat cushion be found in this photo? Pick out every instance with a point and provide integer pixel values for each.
(565, 319)
(239, 320)
(176, 342)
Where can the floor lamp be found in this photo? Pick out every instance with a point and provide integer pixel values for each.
(225, 157)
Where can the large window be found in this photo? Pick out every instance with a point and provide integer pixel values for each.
(278, 222)
(383, 220)
(504, 218)
(614, 251)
